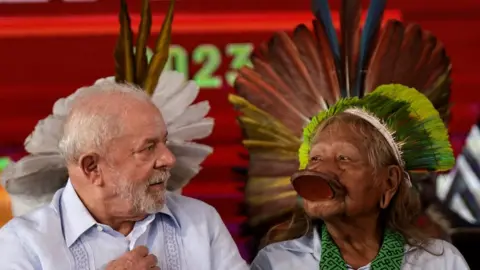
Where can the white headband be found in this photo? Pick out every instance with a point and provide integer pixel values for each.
(386, 133)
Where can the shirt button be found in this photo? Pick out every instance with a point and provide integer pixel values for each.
(99, 228)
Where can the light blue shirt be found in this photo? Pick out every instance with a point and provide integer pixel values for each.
(305, 253)
(186, 234)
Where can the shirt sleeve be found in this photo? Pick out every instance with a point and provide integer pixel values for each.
(439, 254)
(224, 251)
(13, 254)
(459, 263)
(261, 262)
(454, 259)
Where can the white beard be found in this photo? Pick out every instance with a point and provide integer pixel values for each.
(23, 204)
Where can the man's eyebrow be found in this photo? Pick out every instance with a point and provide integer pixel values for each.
(154, 139)
(148, 141)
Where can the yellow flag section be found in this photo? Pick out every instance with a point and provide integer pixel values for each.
(5, 209)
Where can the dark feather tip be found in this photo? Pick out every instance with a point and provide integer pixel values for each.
(395, 23)
(299, 28)
(255, 55)
(274, 40)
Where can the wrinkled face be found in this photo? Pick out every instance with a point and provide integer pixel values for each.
(341, 152)
(138, 164)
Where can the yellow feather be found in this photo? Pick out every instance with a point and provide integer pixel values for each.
(124, 63)
(256, 184)
(259, 115)
(141, 63)
(267, 131)
(160, 56)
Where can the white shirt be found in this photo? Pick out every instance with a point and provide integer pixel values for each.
(305, 253)
(186, 235)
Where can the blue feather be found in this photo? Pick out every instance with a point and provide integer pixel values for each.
(321, 10)
(372, 24)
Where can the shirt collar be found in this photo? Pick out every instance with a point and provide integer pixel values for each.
(76, 219)
(74, 215)
(167, 211)
(311, 243)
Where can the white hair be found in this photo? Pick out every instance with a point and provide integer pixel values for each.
(93, 121)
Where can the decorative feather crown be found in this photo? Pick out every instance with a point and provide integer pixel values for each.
(297, 75)
(131, 63)
(406, 119)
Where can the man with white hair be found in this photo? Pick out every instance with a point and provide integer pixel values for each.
(115, 212)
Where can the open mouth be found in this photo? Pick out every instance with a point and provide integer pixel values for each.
(316, 186)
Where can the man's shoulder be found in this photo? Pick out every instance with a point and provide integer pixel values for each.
(39, 221)
(188, 210)
(176, 202)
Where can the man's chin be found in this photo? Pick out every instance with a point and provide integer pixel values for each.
(153, 202)
(155, 208)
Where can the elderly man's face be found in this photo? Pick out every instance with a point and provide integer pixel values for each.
(138, 163)
(341, 152)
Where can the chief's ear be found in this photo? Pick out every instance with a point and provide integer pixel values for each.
(391, 185)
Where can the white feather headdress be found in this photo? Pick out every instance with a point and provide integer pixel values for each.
(43, 171)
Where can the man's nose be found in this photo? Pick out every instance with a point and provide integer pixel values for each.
(165, 158)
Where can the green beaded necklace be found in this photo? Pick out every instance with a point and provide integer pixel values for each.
(390, 256)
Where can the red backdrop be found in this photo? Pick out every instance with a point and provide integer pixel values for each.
(49, 49)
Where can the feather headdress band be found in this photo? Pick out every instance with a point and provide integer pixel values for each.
(383, 129)
(295, 76)
(34, 179)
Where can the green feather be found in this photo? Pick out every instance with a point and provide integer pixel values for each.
(416, 124)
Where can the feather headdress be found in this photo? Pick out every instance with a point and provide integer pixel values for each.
(33, 180)
(405, 118)
(296, 76)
